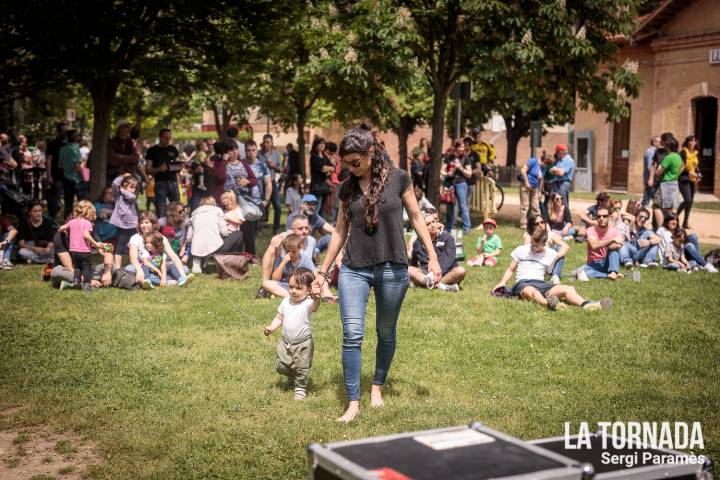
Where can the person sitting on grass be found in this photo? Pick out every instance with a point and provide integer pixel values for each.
(294, 352)
(589, 217)
(318, 224)
(444, 245)
(147, 222)
(7, 235)
(554, 241)
(81, 243)
(284, 266)
(35, 236)
(530, 263)
(692, 246)
(641, 247)
(155, 266)
(488, 246)
(559, 218)
(62, 274)
(603, 249)
(674, 257)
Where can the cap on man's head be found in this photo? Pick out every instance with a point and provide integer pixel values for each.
(310, 198)
(561, 147)
(123, 123)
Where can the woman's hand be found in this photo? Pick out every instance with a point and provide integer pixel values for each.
(434, 267)
(318, 283)
(242, 182)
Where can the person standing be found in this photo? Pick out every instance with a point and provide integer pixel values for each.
(457, 170)
(649, 171)
(70, 160)
(292, 162)
(233, 133)
(563, 171)
(320, 170)
(669, 171)
(122, 155)
(54, 171)
(163, 165)
(532, 175)
(689, 177)
(273, 162)
(370, 227)
(262, 173)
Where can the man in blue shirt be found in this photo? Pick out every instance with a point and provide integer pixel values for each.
(563, 172)
(648, 171)
(70, 161)
(532, 175)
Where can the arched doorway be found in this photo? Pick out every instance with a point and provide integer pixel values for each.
(621, 153)
(706, 126)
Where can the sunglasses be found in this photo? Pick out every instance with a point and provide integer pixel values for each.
(643, 219)
(603, 216)
(353, 163)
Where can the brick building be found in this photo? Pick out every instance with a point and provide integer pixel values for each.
(677, 50)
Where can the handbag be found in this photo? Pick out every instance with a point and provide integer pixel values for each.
(251, 211)
(447, 195)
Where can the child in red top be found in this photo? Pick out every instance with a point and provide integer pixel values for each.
(81, 242)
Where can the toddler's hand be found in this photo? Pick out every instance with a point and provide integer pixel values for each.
(266, 331)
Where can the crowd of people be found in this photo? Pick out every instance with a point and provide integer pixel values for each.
(210, 199)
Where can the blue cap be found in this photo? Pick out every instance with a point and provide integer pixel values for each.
(309, 198)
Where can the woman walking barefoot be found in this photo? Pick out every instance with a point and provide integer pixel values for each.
(371, 223)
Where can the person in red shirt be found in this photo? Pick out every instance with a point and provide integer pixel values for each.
(603, 249)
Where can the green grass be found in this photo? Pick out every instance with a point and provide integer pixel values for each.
(706, 205)
(179, 383)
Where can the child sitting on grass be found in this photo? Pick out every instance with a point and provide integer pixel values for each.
(675, 254)
(488, 246)
(155, 266)
(81, 243)
(294, 258)
(294, 352)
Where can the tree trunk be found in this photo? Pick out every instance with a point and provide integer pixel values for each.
(103, 93)
(300, 125)
(404, 131)
(218, 125)
(513, 138)
(440, 94)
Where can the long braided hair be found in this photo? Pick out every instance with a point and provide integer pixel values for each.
(361, 140)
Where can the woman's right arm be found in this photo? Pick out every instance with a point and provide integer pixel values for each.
(337, 241)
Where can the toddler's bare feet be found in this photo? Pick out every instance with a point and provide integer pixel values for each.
(352, 411)
(376, 399)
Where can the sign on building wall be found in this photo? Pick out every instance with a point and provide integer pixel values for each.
(714, 56)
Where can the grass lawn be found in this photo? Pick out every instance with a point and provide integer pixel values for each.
(179, 383)
(706, 205)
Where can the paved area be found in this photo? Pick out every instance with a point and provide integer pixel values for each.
(705, 223)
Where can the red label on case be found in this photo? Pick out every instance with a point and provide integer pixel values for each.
(387, 473)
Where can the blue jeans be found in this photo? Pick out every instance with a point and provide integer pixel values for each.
(692, 251)
(631, 251)
(600, 269)
(648, 195)
(461, 200)
(165, 191)
(7, 252)
(676, 266)
(390, 282)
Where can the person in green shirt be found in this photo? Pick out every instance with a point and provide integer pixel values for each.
(70, 160)
(669, 171)
(488, 246)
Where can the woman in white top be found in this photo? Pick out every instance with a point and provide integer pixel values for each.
(147, 222)
(554, 241)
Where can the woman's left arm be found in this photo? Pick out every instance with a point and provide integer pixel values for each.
(418, 223)
(173, 256)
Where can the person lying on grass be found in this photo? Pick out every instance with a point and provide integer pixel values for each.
(294, 352)
(530, 263)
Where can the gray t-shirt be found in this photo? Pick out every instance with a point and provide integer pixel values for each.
(387, 243)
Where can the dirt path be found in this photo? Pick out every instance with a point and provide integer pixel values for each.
(34, 452)
(705, 223)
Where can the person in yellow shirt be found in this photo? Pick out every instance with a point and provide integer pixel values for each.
(689, 177)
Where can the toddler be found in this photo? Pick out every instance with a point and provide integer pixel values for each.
(155, 265)
(675, 254)
(81, 242)
(488, 246)
(125, 214)
(294, 352)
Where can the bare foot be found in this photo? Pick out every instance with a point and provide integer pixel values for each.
(352, 411)
(376, 399)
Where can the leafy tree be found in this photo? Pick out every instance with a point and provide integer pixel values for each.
(555, 56)
(156, 42)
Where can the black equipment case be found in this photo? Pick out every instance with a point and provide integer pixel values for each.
(679, 468)
(472, 452)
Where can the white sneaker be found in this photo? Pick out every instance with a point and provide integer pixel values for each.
(555, 280)
(710, 268)
(582, 276)
(449, 288)
(197, 265)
